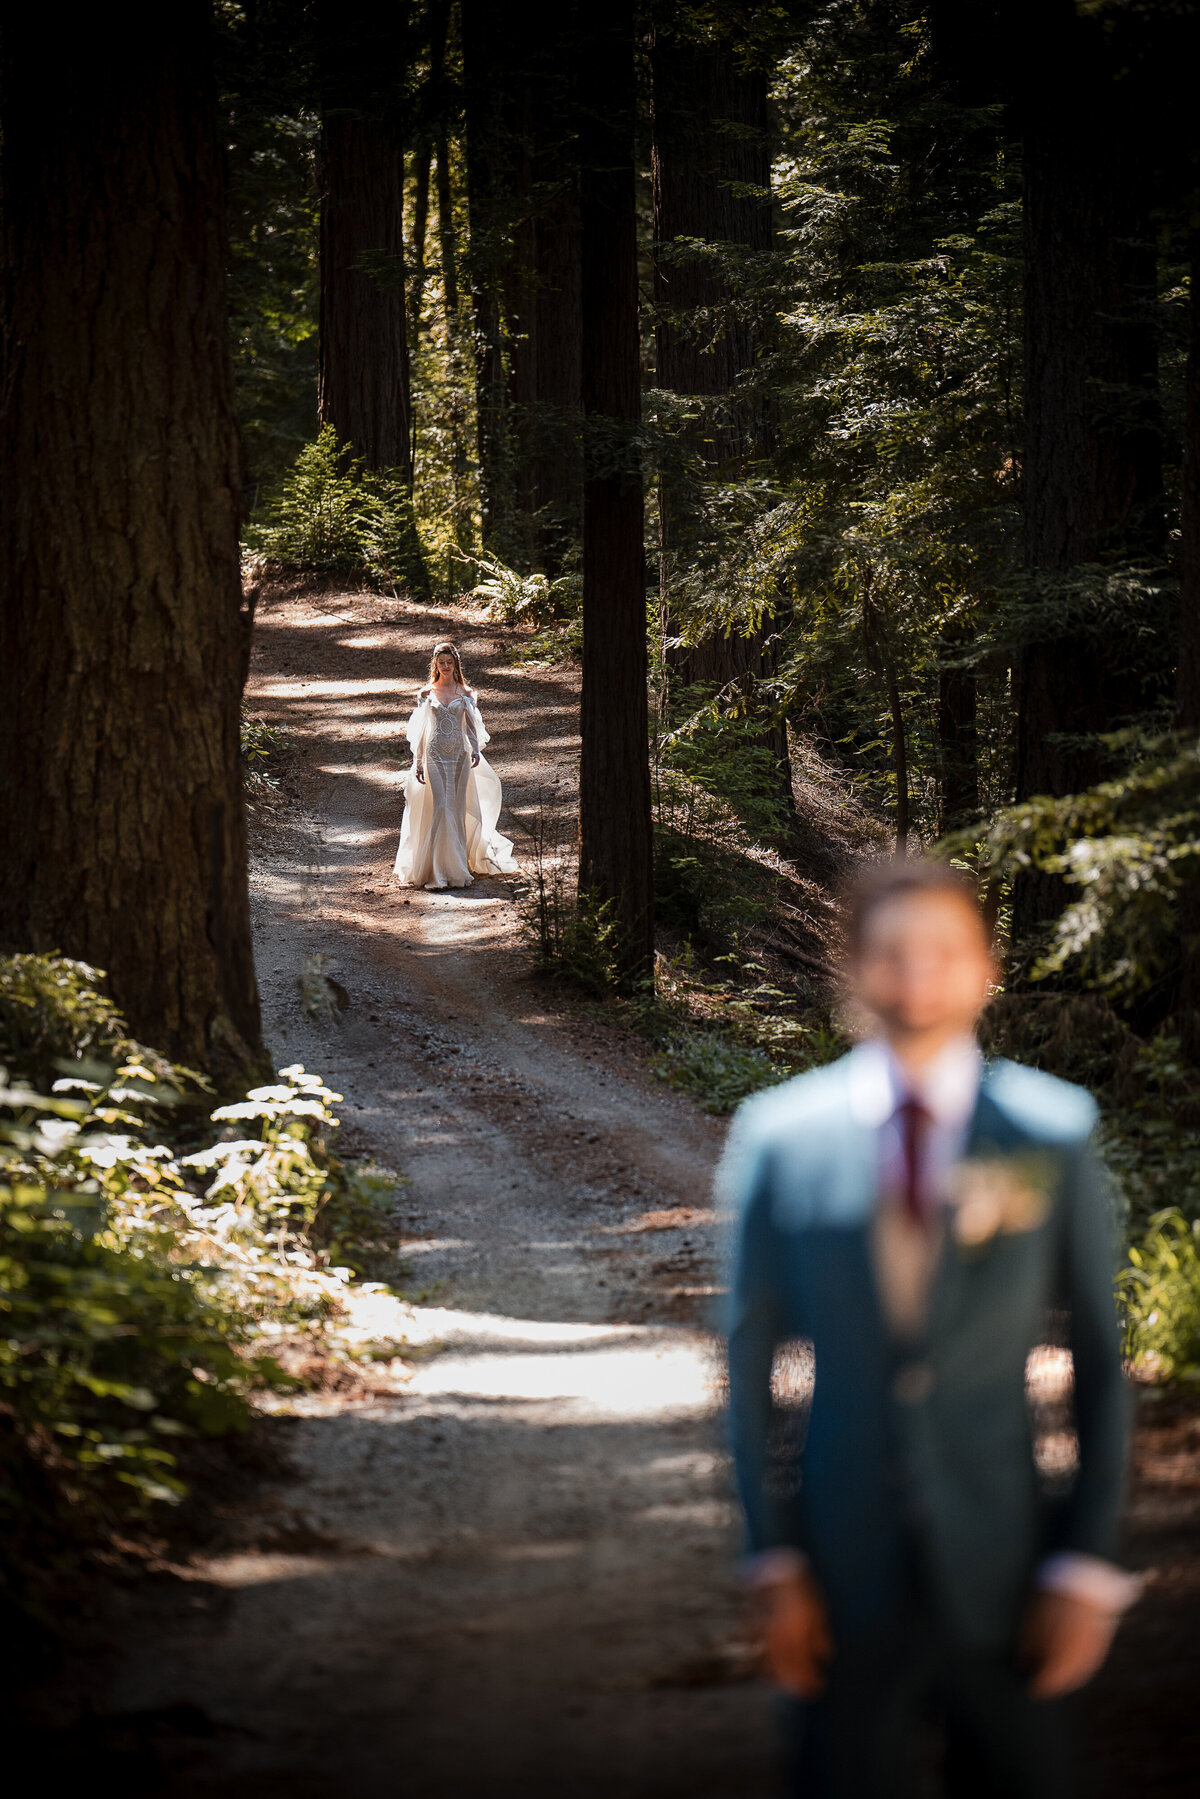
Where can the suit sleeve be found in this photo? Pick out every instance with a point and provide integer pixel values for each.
(755, 1328)
(1090, 1519)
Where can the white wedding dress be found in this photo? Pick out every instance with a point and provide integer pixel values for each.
(449, 832)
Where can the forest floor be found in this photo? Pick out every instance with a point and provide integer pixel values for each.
(502, 1563)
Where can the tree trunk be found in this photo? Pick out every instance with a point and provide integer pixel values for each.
(439, 28)
(1188, 693)
(1092, 476)
(364, 389)
(958, 745)
(545, 320)
(123, 636)
(486, 53)
(616, 849)
(710, 143)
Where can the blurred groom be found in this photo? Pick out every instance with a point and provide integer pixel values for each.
(914, 1213)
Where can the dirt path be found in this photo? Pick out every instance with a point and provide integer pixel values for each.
(509, 1574)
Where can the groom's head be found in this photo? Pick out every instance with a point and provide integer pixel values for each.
(920, 956)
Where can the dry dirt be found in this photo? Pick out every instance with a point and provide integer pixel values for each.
(505, 1570)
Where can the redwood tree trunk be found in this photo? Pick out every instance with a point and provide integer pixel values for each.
(123, 637)
(710, 146)
(958, 783)
(1092, 472)
(486, 54)
(1188, 695)
(365, 389)
(616, 852)
(545, 330)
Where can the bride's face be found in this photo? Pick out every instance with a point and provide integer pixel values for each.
(445, 668)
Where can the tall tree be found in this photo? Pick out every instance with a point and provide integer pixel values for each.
(545, 323)
(487, 48)
(711, 179)
(1188, 689)
(616, 848)
(1092, 469)
(364, 383)
(123, 635)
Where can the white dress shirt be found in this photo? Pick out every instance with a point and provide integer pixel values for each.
(905, 1252)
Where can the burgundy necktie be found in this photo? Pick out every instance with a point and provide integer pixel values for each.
(914, 1123)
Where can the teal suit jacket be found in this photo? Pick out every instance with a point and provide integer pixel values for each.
(931, 1437)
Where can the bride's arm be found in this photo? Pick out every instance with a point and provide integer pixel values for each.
(415, 733)
(470, 732)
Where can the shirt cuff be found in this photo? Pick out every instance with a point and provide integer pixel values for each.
(1090, 1579)
(770, 1567)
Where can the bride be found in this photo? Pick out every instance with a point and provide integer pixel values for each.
(452, 796)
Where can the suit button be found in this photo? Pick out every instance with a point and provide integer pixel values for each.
(913, 1383)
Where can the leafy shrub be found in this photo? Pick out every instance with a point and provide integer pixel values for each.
(712, 802)
(1125, 847)
(552, 604)
(259, 743)
(1160, 1300)
(721, 1072)
(53, 1010)
(137, 1276)
(330, 512)
(113, 1343)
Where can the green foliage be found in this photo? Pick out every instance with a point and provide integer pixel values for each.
(553, 605)
(112, 1345)
(260, 744)
(1160, 1301)
(330, 512)
(719, 1071)
(577, 936)
(882, 535)
(722, 1040)
(712, 798)
(138, 1277)
(1126, 847)
(53, 1010)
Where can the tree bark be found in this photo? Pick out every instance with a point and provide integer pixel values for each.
(1188, 689)
(1092, 474)
(710, 143)
(365, 391)
(616, 847)
(486, 53)
(123, 636)
(439, 28)
(958, 744)
(545, 325)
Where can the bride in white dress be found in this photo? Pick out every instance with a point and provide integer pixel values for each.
(452, 795)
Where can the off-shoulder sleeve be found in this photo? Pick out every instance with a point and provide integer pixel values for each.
(475, 723)
(415, 729)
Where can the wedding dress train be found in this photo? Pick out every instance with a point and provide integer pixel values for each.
(449, 831)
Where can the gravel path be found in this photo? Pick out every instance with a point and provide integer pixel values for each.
(509, 1573)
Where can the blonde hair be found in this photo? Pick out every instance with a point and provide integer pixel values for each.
(446, 649)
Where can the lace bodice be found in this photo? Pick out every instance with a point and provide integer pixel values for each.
(445, 729)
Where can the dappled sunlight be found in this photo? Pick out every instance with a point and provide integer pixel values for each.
(622, 1374)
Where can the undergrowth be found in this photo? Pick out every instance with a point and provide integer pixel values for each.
(155, 1255)
(331, 513)
(551, 604)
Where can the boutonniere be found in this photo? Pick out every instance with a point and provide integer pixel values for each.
(993, 1196)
